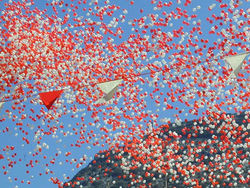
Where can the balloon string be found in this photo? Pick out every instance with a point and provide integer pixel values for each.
(21, 98)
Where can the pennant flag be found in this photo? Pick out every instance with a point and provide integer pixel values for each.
(1, 105)
(1, 156)
(236, 62)
(109, 88)
(49, 98)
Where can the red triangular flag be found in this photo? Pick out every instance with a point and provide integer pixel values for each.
(49, 98)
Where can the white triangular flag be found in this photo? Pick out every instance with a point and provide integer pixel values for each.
(100, 101)
(109, 88)
(236, 62)
(109, 96)
(1, 105)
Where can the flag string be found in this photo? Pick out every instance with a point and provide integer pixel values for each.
(125, 77)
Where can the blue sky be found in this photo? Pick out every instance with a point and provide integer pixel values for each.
(61, 144)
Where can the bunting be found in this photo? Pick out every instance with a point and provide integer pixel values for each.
(109, 88)
(1, 105)
(49, 98)
(236, 62)
(1, 156)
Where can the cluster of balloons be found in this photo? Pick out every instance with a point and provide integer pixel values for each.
(78, 77)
